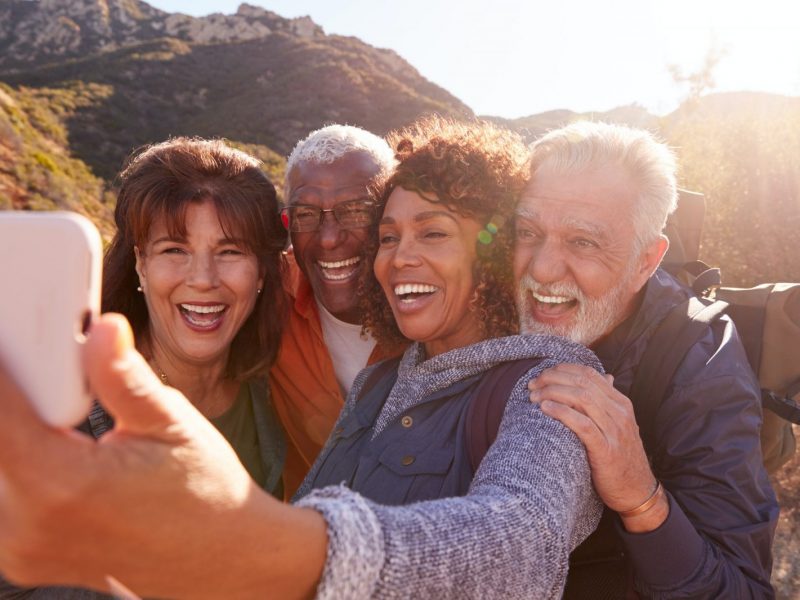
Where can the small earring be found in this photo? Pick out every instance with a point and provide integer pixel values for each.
(139, 288)
(258, 291)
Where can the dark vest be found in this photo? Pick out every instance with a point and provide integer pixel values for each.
(430, 451)
(421, 455)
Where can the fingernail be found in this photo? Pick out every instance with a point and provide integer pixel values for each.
(534, 395)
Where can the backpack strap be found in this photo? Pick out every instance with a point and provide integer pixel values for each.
(681, 329)
(488, 404)
(698, 276)
(786, 407)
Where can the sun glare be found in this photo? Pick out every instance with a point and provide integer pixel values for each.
(757, 43)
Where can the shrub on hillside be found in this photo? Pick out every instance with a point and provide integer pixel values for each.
(743, 152)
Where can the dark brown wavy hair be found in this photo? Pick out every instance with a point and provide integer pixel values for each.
(160, 182)
(477, 170)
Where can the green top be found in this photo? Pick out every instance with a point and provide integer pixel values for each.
(252, 430)
(238, 425)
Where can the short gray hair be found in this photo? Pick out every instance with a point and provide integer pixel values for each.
(330, 143)
(586, 145)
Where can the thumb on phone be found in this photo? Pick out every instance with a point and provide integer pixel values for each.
(125, 384)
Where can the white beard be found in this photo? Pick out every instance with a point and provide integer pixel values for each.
(594, 318)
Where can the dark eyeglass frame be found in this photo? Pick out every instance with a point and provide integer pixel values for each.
(293, 225)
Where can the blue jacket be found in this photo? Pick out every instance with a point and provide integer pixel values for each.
(716, 542)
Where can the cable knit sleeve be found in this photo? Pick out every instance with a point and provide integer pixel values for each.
(530, 503)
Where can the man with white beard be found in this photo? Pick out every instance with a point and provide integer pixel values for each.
(695, 518)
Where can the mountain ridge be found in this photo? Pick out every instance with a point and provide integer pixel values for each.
(46, 30)
(253, 76)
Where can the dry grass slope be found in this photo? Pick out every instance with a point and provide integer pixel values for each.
(37, 170)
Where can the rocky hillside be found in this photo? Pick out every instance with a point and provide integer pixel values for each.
(34, 32)
(253, 77)
(37, 171)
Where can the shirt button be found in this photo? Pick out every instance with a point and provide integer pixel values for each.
(407, 460)
(406, 421)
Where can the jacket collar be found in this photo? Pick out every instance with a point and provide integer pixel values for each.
(659, 295)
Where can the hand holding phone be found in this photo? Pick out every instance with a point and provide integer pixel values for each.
(50, 277)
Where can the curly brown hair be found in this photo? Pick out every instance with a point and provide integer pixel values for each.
(477, 170)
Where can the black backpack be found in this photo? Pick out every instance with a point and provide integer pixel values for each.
(767, 318)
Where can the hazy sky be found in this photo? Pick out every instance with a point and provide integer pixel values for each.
(518, 58)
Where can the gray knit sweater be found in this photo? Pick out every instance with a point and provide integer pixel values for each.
(530, 503)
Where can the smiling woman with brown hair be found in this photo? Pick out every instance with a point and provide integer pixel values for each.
(195, 266)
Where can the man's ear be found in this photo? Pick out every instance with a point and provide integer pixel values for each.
(649, 260)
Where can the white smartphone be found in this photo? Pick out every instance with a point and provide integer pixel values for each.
(50, 278)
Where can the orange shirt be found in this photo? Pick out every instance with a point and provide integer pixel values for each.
(303, 383)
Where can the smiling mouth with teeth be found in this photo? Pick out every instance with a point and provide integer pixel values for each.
(202, 316)
(408, 292)
(339, 269)
(553, 300)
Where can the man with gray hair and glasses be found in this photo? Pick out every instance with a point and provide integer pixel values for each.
(696, 517)
(329, 208)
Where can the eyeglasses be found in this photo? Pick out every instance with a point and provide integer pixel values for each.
(351, 214)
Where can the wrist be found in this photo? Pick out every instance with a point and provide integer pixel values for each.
(647, 504)
(649, 515)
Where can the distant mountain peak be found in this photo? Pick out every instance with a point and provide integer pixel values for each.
(41, 31)
(33, 31)
(102, 10)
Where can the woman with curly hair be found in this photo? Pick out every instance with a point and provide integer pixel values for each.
(477, 171)
(442, 282)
